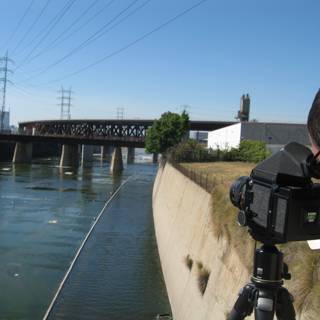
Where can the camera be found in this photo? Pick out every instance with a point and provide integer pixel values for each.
(279, 202)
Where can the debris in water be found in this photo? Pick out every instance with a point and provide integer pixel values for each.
(16, 275)
(68, 173)
(53, 221)
(6, 169)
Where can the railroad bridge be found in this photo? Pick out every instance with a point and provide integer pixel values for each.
(86, 133)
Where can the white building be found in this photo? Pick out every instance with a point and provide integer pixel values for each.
(6, 120)
(275, 135)
(200, 136)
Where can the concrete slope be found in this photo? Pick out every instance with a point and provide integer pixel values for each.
(202, 273)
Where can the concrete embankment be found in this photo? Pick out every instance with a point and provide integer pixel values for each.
(202, 273)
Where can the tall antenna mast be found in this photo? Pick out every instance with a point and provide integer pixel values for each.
(4, 80)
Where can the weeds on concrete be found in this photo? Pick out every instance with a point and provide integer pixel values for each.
(203, 278)
(199, 265)
(189, 262)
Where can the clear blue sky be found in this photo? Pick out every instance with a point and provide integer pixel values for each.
(206, 59)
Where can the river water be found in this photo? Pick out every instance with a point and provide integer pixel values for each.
(45, 213)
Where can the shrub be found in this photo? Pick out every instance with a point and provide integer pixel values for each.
(252, 151)
(192, 151)
(189, 151)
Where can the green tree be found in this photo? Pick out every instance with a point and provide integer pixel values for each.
(166, 132)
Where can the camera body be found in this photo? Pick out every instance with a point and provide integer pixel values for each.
(279, 202)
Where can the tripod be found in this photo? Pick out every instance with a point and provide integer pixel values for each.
(265, 293)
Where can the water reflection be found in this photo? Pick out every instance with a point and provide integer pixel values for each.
(21, 172)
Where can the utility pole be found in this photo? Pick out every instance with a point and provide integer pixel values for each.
(120, 113)
(65, 103)
(4, 80)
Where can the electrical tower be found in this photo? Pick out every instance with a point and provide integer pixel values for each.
(65, 103)
(4, 71)
(120, 113)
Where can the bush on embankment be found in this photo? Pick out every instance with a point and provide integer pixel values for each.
(192, 151)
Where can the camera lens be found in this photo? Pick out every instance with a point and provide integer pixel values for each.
(237, 190)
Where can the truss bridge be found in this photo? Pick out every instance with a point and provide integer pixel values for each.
(74, 133)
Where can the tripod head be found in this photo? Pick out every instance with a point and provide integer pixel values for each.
(269, 267)
(264, 294)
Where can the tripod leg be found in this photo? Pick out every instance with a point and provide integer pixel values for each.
(265, 304)
(284, 308)
(244, 304)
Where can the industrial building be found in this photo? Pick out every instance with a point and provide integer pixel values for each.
(275, 135)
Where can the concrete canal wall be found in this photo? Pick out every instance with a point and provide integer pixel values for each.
(203, 274)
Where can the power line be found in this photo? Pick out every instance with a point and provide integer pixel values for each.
(108, 4)
(56, 41)
(47, 27)
(27, 10)
(86, 42)
(54, 22)
(133, 43)
(106, 31)
(35, 21)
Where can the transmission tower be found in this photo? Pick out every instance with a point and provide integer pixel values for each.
(65, 103)
(4, 71)
(120, 113)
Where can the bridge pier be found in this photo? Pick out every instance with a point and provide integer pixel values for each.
(69, 155)
(130, 155)
(86, 154)
(22, 153)
(116, 165)
(106, 152)
(155, 157)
